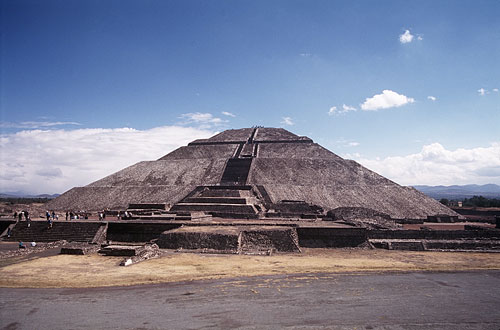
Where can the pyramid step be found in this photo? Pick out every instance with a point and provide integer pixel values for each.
(222, 208)
(215, 200)
(229, 187)
(221, 193)
(229, 215)
(39, 231)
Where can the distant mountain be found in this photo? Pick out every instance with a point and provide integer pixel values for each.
(23, 195)
(460, 192)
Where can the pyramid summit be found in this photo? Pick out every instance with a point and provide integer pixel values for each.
(253, 173)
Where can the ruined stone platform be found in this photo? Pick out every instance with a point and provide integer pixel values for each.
(232, 239)
(79, 249)
(243, 236)
(122, 250)
(40, 231)
(459, 245)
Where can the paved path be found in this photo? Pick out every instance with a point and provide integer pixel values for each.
(466, 300)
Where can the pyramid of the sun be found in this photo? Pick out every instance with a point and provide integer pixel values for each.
(274, 161)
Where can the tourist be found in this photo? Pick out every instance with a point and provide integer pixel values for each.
(21, 245)
(67, 214)
(9, 231)
(49, 220)
(28, 219)
(15, 215)
(20, 216)
(33, 244)
(53, 215)
(47, 215)
(26, 215)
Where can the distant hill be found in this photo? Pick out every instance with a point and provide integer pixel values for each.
(22, 195)
(461, 192)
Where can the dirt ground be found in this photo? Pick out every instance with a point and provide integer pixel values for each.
(66, 271)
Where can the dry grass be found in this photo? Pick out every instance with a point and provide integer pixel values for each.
(97, 271)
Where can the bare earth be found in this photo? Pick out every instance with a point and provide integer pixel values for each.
(65, 271)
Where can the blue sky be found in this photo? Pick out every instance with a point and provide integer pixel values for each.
(197, 67)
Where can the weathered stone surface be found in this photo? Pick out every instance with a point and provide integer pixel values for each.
(121, 250)
(39, 231)
(280, 239)
(79, 249)
(437, 244)
(199, 238)
(232, 239)
(279, 165)
(313, 237)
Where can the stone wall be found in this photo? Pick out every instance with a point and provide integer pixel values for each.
(137, 232)
(313, 237)
(434, 234)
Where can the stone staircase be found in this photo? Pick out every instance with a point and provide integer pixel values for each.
(232, 198)
(236, 171)
(237, 202)
(69, 231)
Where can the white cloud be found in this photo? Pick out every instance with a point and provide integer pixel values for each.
(388, 99)
(406, 37)
(353, 144)
(287, 121)
(420, 38)
(332, 110)
(482, 91)
(198, 117)
(203, 120)
(229, 114)
(347, 108)
(52, 161)
(435, 165)
(36, 124)
(495, 90)
(305, 54)
(432, 98)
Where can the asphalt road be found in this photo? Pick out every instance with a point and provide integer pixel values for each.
(465, 300)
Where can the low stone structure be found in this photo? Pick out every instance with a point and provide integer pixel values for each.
(41, 231)
(121, 250)
(232, 239)
(212, 239)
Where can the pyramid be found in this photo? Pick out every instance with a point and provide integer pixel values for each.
(253, 173)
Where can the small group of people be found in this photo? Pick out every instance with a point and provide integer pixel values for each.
(70, 215)
(52, 215)
(22, 214)
(50, 218)
(22, 246)
(125, 215)
(102, 215)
